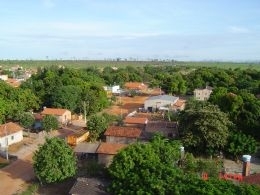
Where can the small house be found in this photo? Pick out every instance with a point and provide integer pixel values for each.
(135, 121)
(88, 186)
(63, 115)
(86, 150)
(106, 152)
(159, 102)
(77, 137)
(10, 133)
(203, 94)
(135, 86)
(123, 135)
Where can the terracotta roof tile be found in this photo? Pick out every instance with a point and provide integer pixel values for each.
(179, 103)
(13, 82)
(118, 131)
(54, 111)
(252, 179)
(110, 148)
(136, 120)
(135, 85)
(9, 128)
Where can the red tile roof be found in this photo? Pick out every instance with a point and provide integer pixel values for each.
(179, 103)
(252, 179)
(110, 148)
(53, 111)
(9, 128)
(135, 120)
(135, 85)
(117, 131)
(13, 82)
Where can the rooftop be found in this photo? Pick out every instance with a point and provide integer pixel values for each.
(54, 111)
(9, 128)
(136, 120)
(164, 97)
(85, 186)
(86, 147)
(135, 85)
(118, 131)
(110, 148)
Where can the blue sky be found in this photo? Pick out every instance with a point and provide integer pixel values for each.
(225, 30)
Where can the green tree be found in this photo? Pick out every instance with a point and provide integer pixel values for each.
(54, 161)
(67, 97)
(50, 123)
(96, 125)
(142, 169)
(203, 128)
(239, 144)
(26, 119)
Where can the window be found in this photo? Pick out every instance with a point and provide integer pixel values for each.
(12, 137)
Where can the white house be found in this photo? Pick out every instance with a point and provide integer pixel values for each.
(10, 133)
(159, 101)
(4, 77)
(63, 115)
(112, 89)
(202, 94)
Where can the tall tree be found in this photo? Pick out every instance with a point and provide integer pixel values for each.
(54, 161)
(50, 123)
(204, 128)
(240, 143)
(96, 125)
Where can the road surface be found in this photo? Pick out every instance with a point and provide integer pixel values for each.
(13, 178)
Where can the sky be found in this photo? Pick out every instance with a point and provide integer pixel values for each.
(185, 30)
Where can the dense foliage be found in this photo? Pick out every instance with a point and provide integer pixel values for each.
(68, 88)
(153, 168)
(239, 144)
(97, 124)
(50, 123)
(54, 161)
(14, 101)
(203, 128)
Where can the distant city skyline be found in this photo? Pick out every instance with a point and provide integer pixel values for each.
(184, 30)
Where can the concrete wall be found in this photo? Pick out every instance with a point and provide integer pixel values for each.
(121, 140)
(202, 95)
(65, 118)
(12, 138)
(105, 159)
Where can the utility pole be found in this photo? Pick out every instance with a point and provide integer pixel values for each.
(6, 150)
(85, 111)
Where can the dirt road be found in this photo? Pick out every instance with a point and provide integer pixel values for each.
(13, 177)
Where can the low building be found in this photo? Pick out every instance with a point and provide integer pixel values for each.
(4, 77)
(112, 89)
(77, 137)
(10, 133)
(86, 150)
(135, 86)
(123, 135)
(106, 152)
(203, 94)
(160, 101)
(88, 186)
(63, 115)
(135, 122)
(179, 105)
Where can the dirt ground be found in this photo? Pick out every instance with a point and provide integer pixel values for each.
(125, 105)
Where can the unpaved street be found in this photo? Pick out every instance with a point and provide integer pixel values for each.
(13, 177)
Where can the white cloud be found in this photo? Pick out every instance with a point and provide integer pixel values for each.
(238, 29)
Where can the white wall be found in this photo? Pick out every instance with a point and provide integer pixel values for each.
(12, 138)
